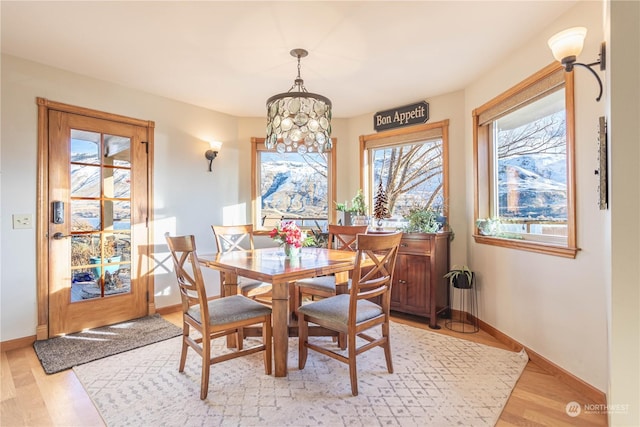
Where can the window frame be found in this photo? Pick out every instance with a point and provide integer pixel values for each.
(258, 145)
(407, 135)
(529, 89)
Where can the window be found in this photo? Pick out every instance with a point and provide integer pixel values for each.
(523, 146)
(411, 165)
(292, 186)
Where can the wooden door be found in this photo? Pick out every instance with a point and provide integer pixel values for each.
(97, 221)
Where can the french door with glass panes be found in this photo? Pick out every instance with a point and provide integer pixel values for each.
(97, 228)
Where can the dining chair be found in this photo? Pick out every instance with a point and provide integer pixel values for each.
(240, 238)
(341, 237)
(216, 318)
(355, 313)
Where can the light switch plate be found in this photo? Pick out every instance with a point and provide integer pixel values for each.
(22, 221)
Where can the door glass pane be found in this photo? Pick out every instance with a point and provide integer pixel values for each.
(85, 181)
(85, 215)
(85, 147)
(84, 278)
(117, 150)
(101, 215)
(122, 183)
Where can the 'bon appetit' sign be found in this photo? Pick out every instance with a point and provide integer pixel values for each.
(412, 114)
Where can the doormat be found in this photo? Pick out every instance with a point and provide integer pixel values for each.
(60, 353)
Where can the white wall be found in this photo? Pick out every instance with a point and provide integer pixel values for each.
(555, 306)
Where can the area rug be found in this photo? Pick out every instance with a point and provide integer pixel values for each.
(60, 353)
(437, 381)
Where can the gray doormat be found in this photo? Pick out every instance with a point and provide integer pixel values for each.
(60, 353)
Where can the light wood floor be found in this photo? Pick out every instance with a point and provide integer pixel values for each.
(32, 398)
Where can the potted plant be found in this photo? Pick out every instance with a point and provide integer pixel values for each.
(356, 214)
(461, 277)
(359, 209)
(344, 215)
(109, 251)
(421, 219)
(488, 226)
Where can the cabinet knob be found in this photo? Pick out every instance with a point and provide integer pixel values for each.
(402, 282)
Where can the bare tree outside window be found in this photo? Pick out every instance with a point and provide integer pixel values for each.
(411, 175)
(411, 163)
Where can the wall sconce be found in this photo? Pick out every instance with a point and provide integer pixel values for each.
(567, 45)
(212, 153)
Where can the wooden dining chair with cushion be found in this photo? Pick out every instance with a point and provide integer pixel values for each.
(216, 318)
(341, 237)
(240, 238)
(354, 313)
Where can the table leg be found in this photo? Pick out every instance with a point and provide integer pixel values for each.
(280, 316)
(230, 287)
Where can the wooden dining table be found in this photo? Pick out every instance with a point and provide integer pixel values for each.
(270, 265)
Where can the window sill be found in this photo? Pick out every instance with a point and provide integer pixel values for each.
(527, 245)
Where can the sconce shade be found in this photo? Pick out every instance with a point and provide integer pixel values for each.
(298, 120)
(215, 145)
(567, 44)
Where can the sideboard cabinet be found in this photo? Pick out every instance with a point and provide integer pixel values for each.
(418, 285)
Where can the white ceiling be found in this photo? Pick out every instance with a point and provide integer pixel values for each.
(231, 56)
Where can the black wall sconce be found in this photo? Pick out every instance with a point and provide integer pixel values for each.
(567, 45)
(212, 153)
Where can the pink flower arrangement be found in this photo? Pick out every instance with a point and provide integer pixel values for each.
(288, 233)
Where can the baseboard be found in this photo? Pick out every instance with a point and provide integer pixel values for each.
(587, 390)
(17, 343)
(169, 309)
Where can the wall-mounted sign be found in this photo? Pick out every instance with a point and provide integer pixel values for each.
(413, 114)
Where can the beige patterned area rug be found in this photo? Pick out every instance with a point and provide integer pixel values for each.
(438, 381)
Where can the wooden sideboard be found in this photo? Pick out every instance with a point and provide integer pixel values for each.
(418, 285)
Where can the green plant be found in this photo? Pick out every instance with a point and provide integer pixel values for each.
(460, 276)
(488, 226)
(421, 219)
(342, 207)
(358, 205)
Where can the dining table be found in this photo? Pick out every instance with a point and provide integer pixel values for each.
(272, 266)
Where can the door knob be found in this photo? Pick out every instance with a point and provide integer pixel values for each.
(59, 235)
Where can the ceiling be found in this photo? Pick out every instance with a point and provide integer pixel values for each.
(231, 56)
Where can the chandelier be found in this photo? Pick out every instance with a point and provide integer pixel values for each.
(297, 120)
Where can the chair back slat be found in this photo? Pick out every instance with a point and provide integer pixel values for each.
(343, 237)
(185, 258)
(233, 237)
(375, 280)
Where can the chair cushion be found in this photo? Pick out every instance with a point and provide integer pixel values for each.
(336, 309)
(230, 309)
(321, 283)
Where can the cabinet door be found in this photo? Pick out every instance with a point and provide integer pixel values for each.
(416, 288)
(399, 283)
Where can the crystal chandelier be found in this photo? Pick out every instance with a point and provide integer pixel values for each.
(298, 120)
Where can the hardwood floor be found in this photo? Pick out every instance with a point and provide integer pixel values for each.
(32, 398)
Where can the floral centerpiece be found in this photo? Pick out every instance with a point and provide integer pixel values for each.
(289, 235)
